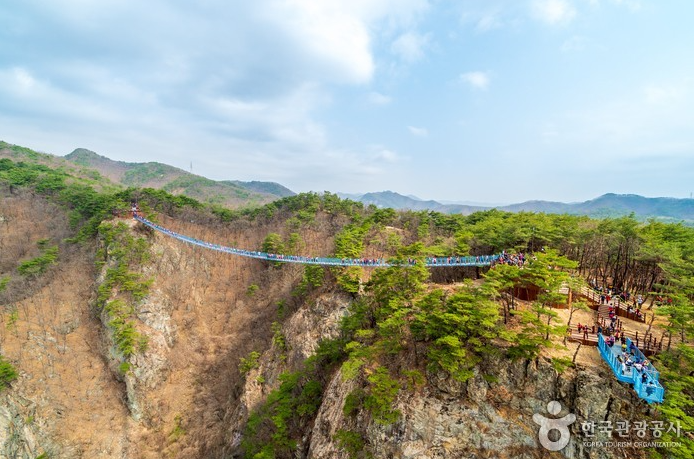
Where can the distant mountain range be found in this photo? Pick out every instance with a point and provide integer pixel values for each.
(607, 205)
(107, 173)
(178, 181)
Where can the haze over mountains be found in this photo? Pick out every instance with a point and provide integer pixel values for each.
(235, 193)
(607, 205)
(107, 172)
(178, 181)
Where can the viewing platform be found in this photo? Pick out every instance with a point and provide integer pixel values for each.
(644, 379)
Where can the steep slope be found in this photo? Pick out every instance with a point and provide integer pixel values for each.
(78, 173)
(190, 352)
(489, 416)
(65, 402)
(79, 394)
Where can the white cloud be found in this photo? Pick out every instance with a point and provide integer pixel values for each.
(410, 46)
(237, 83)
(387, 156)
(376, 98)
(478, 80)
(632, 5)
(663, 94)
(575, 43)
(553, 12)
(489, 21)
(418, 131)
(330, 35)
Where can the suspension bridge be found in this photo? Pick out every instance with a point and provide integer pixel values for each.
(482, 260)
(645, 381)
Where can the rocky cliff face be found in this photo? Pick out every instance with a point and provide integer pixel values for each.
(20, 437)
(183, 397)
(489, 416)
(479, 418)
(302, 331)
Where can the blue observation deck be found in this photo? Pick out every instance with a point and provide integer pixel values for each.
(645, 380)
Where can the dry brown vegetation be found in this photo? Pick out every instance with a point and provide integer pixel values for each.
(65, 391)
(200, 316)
(51, 333)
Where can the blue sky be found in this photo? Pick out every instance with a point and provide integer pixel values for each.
(469, 100)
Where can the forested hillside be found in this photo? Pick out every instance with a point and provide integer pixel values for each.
(120, 342)
(103, 172)
(177, 181)
(608, 205)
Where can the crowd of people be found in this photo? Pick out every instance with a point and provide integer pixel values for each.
(630, 358)
(620, 300)
(515, 259)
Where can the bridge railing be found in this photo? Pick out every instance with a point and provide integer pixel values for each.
(642, 358)
(612, 361)
(646, 382)
(649, 388)
(482, 260)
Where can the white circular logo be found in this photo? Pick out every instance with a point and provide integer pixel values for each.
(561, 425)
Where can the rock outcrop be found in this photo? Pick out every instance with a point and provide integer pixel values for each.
(489, 416)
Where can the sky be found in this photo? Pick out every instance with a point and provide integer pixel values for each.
(460, 100)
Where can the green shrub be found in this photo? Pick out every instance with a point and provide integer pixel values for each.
(125, 250)
(178, 431)
(380, 397)
(124, 368)
(273, 428)
(491, 379)
(3, 283)
(353, 402)
(561, 364)
(350, 442)
(249, 363)
(281, 309)
(7, 373)
(125, 335)
(273, 244)
(40, 264)
(278, 338)
(415, 379)
(312, 279)
(349, 279)
(349, 242)
(13, 317)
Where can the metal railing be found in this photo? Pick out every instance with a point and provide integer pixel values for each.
(433, 262)
(645, 381)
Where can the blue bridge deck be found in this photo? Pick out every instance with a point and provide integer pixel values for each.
(482, 260)
(645, 381)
